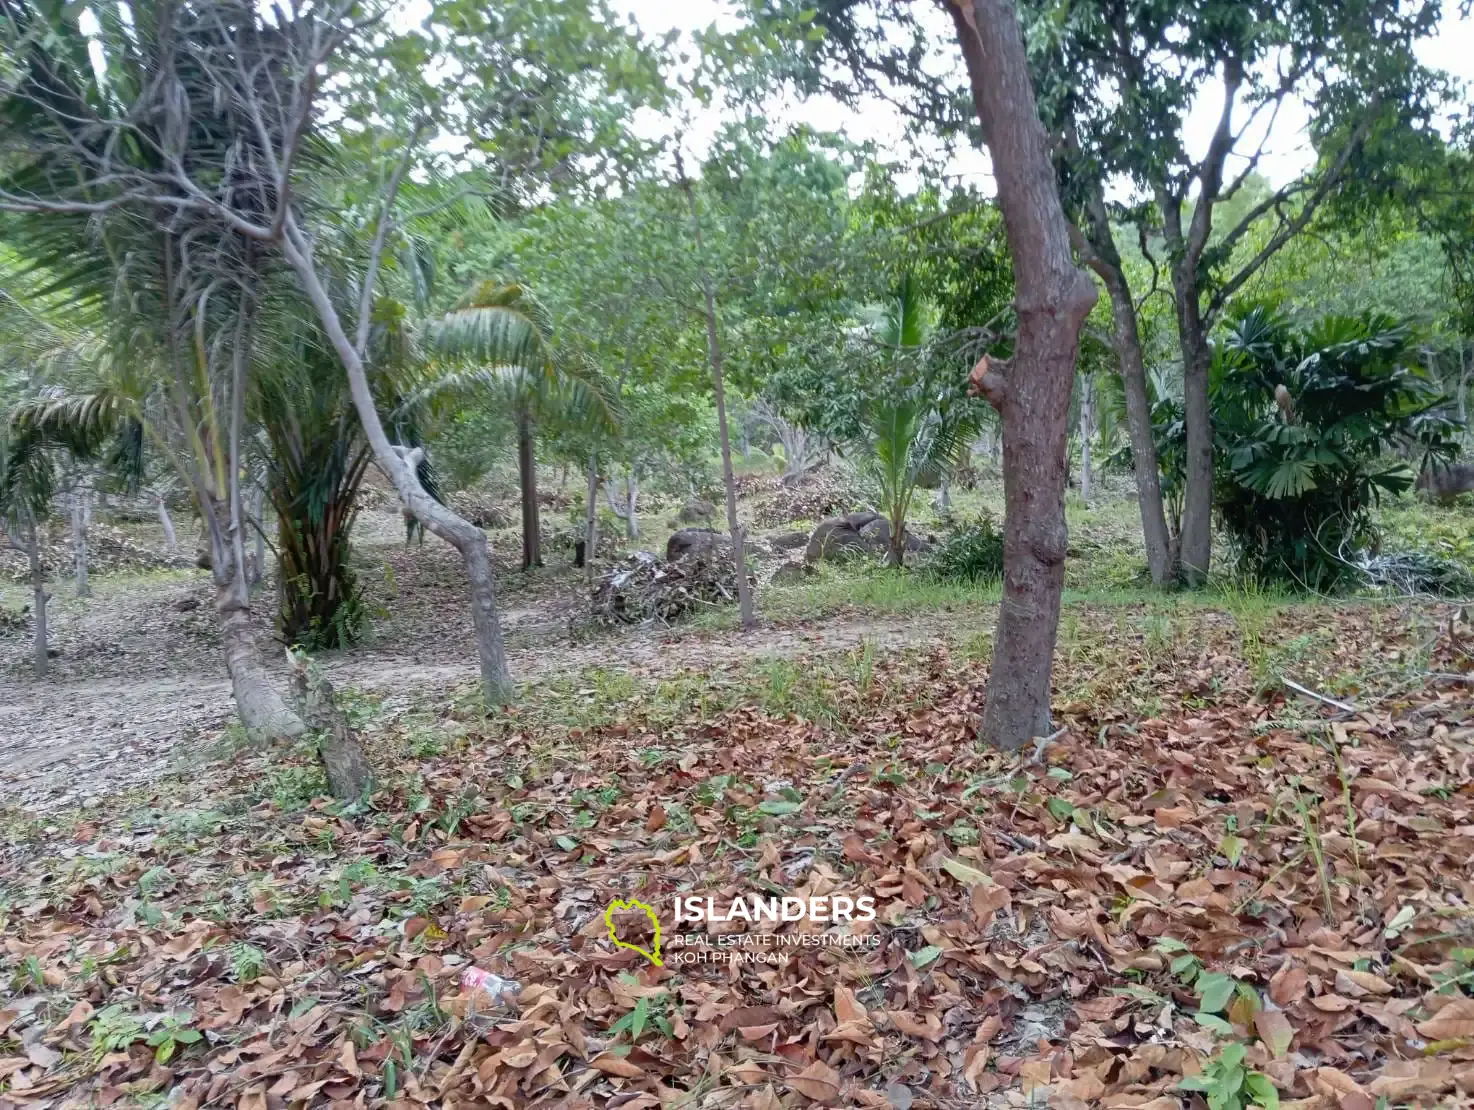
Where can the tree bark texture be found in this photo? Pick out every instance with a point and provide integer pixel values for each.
(532, 555)
(714, 355)
(400, 466)
(344, 765)
(1032, 394)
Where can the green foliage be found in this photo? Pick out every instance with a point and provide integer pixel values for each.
(973, 553)
(1227, 1084)
(1298, 477)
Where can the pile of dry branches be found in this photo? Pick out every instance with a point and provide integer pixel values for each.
(644, 589)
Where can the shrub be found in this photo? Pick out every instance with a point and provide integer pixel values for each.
(1305, 422)
(973, 553)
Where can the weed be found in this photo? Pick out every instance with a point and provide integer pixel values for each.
(1227, 1084)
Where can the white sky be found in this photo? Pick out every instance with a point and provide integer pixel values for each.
(1287, 154)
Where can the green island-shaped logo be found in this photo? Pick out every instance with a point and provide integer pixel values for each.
(618, 906)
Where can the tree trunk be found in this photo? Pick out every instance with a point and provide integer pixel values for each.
(400, 465)
(343, 763)
(171, 542)
(1161, 558)
(1087, 430)
(258, 527)
(1196, 543)
(262, 711)
(591, 518)
(714, 356)
(1099, 247)
(527, 477)
(41, 653)
(631, 498)
(1032, 394)
(81, 518)
(944, 496)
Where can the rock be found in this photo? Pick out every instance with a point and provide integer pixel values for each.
(184, 605)
(841, 537)
(697, 511)
(790, 574)
(788, 541)
(853, 535)
(697, 541)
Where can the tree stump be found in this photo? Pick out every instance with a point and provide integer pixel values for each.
(348, 774)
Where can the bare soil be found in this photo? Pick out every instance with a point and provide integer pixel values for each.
(139, 682)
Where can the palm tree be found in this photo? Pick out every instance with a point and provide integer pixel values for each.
(503, 337)
(913, 428)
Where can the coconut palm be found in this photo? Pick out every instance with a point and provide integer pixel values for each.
(499, 338)
(915, 426)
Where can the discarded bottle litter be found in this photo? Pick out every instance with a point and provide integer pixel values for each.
(479, 979)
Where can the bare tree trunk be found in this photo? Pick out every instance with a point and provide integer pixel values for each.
(81, 518)
(944, 496)
(1098, 245)
(631, 498)
(171, 542)
(591, 518)
(41, 653)
(400, 465)
(262, 711)
(527, 479)
(714, 356)
(1196, 544)
(1087, 430)
(1032, 392)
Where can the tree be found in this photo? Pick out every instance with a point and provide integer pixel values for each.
(99, 198)
(1032, 390)
(913, 426)
(715, 361)
(1307, 420)
(1116, 81)
(506, 335)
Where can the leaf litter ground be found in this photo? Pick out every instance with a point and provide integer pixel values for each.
(1192, 863)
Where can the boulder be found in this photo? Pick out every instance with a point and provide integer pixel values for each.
(703, 542)
(839, 538)
(697, 511)
(788, 541)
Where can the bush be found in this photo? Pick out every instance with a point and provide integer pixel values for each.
(973, 553)
(1304, 424)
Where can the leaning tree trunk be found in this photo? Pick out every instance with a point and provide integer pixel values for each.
(81, 518)
(1032, 392)
(171, 542)
(262, 711)
(399, 464)
(532, 555)
(41, 652)
(714, 356)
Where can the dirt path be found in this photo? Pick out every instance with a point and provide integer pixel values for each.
(65, 744)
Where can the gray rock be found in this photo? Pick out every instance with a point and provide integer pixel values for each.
(696, 511)
(789, 541)
(703, 542)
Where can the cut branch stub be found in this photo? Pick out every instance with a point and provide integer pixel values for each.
(989, 381)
